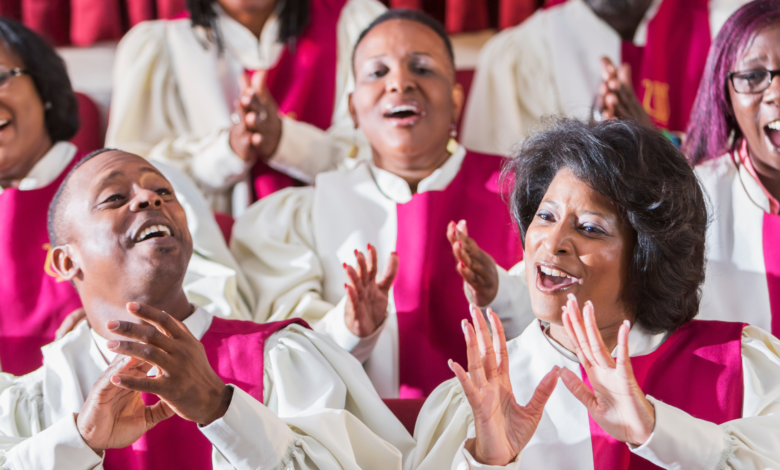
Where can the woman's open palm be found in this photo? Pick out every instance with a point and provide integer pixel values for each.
(503, 427)
(615, 402)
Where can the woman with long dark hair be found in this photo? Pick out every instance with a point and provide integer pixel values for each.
(239, 90)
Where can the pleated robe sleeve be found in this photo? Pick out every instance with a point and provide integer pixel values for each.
(27, 441)
(320, 411)
(678, 441)
(513, 87)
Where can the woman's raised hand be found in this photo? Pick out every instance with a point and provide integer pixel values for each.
(367, 295)
(616, 402)
(476, 267)
(503, 427)
(257, 127)
(616, 98)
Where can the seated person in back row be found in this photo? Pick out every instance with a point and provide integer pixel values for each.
(128, 391)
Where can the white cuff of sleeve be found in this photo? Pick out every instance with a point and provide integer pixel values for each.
(503, 300)
(303, 151)
(334, 326)
(58, 446)
(680, 441)
(216, 165)
(249, 435)
(466, 461)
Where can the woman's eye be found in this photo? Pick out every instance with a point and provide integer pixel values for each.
(163, 191)
(545, 216)
(592, 229)
(422, 70)
(378, 73)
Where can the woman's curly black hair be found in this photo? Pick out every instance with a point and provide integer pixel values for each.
(48, 72)
(657, 195)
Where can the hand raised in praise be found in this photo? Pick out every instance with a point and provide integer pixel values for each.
(503, 427)
(113, 417)
(367, 295)
(616, 98)
(616, 402)
(186, 382)
(259, 128)
(477, 268)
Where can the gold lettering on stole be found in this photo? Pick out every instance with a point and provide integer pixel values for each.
(47, 264)
(656, 101)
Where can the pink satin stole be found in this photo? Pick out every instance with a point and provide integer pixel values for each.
(235, 350)
(303, 83)
(33, 301)
(771, 242)
(698, 369)
(428, 291)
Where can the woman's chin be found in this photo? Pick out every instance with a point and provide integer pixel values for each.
(548, 309)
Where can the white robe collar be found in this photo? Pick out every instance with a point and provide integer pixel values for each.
(48, 168)
(395, 188)
(751, 186)
(253, 54)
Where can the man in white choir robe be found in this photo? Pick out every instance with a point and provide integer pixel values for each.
(551, 64)
(642, 384)
(177, 89)
(122, 237)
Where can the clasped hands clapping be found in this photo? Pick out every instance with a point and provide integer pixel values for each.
(257, 127)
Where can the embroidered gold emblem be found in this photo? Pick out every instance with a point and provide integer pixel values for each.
(47, 264)
(656, 101)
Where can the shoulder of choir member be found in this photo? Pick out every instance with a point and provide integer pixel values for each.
(274, 216)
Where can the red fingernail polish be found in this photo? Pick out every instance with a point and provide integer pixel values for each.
(345, 285)
(368, 247)
(345, 265)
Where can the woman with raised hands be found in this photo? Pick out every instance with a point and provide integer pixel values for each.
(613, 219)
(246, 96)
(331, 253)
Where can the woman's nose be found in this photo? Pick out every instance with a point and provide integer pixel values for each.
(557, 240)
(772, 94)
(145, 200)
(399, 81)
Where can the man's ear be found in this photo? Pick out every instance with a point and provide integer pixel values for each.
(352, 111)
(65, 262)
(457, 101)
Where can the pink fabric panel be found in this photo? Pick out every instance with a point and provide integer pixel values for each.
(235, 350)
(48, 18)
(428, 291)
(466, 15)
(11, 9)
(90, 135)
(34, 302)
(303, 83)
(95, 20)
(698, 369)
(514, 12)
(139, 10)
(771, 241)
(172, 9)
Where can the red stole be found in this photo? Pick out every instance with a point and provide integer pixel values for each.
(428, 291)
(303, 83)
(667, 71)
(698, 369)
(34, 303)
(771, 242)
(235, 350)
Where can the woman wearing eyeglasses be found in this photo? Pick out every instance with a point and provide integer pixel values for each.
(38, 114)
(734, 139)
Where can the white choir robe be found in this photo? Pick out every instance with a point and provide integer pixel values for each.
(735, 287)
(562, 440)
(213, 279)
(311, 388)
(548, 65)
(174, 95)
(291, 248)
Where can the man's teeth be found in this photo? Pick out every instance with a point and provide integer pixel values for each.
(774, 125)
(554, 272)
(151, 230)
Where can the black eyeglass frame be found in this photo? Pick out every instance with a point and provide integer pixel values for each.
(772, 75)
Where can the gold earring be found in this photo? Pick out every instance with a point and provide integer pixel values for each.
(353, 150)
(452, 144)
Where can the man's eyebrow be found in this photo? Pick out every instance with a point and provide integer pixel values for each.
(149, 169)
(118, 173)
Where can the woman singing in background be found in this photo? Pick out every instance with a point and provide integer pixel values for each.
(238, 86)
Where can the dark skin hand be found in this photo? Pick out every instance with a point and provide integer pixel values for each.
(367, 295)
(186, 382)
(113, 417)
(477, 268)
(259, 130)
(616, 98)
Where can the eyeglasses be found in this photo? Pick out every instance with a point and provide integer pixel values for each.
(7, 76)
(749, 81)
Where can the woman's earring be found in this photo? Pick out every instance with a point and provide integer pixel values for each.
(452, 144)
(353, 150)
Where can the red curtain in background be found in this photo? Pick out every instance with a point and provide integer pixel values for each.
(84, 22)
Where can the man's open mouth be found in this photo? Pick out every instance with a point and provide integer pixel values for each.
(551, 279)
(154, 231)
